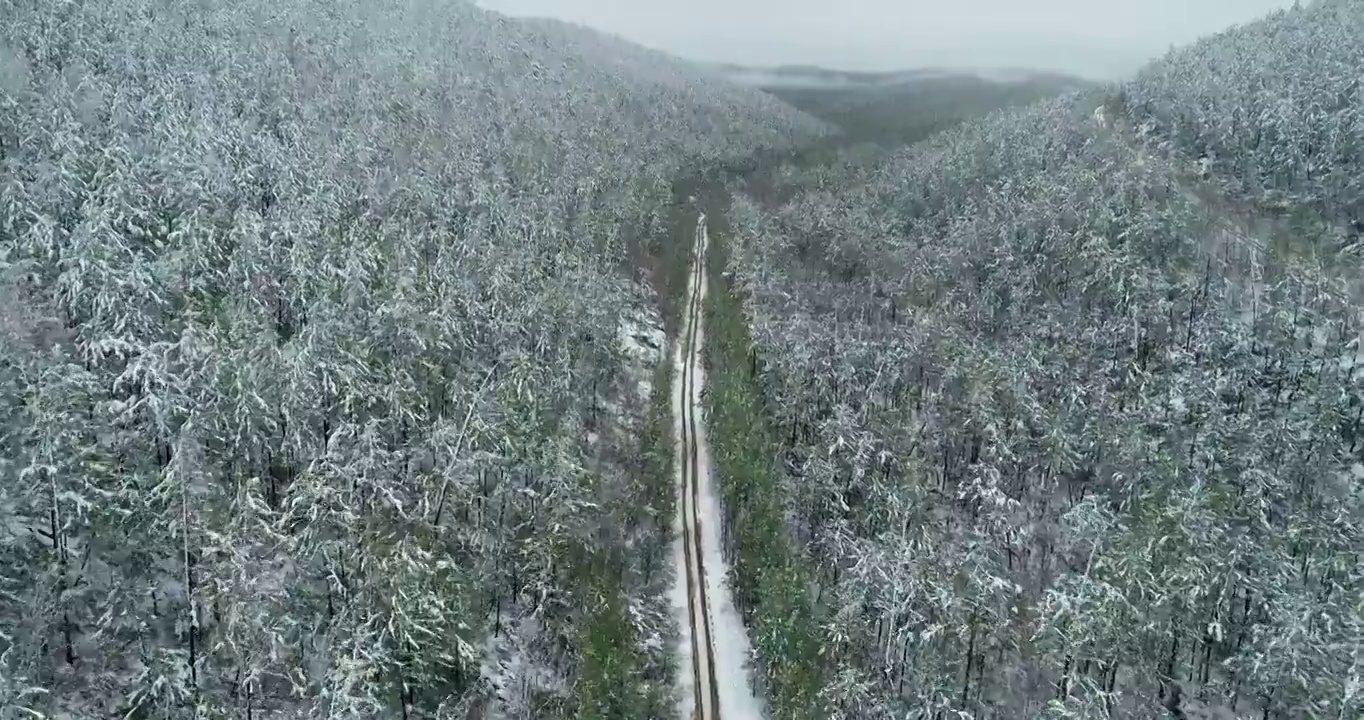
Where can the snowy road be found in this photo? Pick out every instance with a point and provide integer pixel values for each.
(714, 644)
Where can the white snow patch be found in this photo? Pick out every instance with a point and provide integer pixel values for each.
(507, 668)
(1101, 116)
(1177, 403)
(651, 641)
(643, 341)
(641, 334)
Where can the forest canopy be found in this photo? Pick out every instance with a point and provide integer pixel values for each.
(308, 313)
(1067, 399)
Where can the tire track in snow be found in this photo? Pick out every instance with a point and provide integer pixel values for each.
(705, 690)
(717, 642)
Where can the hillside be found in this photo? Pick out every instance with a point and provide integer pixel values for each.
(814, 76)
(315, 402)
(1064, 402)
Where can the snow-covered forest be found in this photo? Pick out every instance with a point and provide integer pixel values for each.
(334, 380)
(1275, 109)
(1065, 402)
(313, 397)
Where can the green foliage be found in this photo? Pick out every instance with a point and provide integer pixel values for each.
(770, 586)
(610, 683)
(617, 679)
(656, 443)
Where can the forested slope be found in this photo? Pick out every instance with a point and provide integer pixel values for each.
(1275, 110)
(1067, 400)
(308, 349)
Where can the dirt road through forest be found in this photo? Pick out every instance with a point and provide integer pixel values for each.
(715, 647)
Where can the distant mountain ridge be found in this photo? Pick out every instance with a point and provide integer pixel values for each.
(801, 75)
(900, 106)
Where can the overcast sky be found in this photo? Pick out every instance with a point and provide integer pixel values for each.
(1096, 38)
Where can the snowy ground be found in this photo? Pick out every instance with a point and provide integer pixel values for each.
(730, 648)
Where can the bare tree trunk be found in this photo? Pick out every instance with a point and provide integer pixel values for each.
(970, 655)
